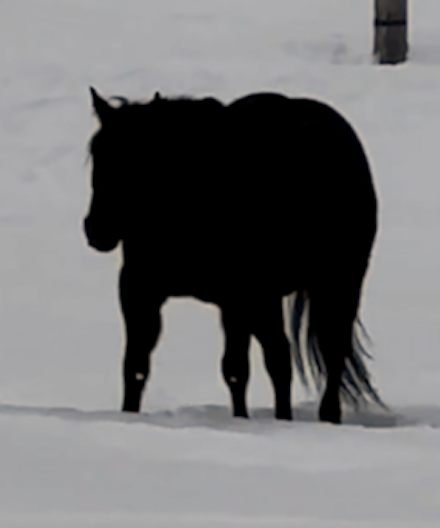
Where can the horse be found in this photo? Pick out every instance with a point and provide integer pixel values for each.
(242, 205)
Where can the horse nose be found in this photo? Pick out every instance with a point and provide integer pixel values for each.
(86, 227)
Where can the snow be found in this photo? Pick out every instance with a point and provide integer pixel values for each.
(68, 457)
(193, 467)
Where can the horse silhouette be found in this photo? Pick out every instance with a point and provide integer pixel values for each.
(240, 205)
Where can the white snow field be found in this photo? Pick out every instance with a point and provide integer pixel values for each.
(68, 458)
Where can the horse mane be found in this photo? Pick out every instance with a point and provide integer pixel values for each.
(134, 109)
(158, 98)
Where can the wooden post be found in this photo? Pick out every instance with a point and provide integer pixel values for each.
(390, 37)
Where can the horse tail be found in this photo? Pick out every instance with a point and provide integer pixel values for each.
(356, 386)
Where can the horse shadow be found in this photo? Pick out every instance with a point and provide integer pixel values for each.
(218, 417)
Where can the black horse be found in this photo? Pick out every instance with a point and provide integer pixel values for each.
(239, 205)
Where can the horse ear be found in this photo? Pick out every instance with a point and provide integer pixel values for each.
(157, 96)
(102, 108)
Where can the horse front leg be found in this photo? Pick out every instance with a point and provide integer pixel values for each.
(143, 326)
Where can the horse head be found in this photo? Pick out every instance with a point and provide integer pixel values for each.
(102, 224)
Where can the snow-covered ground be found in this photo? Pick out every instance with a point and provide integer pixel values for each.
(67, 457)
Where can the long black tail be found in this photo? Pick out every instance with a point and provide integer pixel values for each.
(356, 386)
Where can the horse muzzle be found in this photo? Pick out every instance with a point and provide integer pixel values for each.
(99, 240)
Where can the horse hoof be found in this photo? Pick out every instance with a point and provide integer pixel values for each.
(333, 417)
(241, 414)
(131, 407)
(284, 415)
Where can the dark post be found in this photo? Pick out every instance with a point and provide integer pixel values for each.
(390, 37)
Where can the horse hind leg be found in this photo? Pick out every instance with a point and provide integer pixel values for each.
(235, 361)
(332, 321)
(268, 328)
(335, 347)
